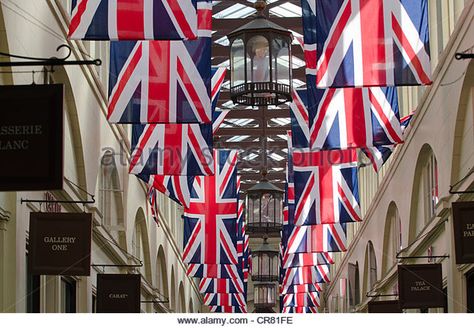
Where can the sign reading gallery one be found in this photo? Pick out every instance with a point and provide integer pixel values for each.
(60, 244)
(118, 293)
(31, 137)
(420, 286)
(463, 221)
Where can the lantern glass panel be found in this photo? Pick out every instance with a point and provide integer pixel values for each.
(268, 208)
(258, 51)
(264, 294)
(237, 62)
(281, 61)
(253, 209)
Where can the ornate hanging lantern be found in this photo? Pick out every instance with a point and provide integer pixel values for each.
(264, 206)
(260, 62)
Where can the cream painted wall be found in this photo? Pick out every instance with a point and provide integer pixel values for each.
(36, 28)
(444, 121)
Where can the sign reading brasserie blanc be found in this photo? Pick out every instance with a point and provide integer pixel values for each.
(463, 220)
(31, 137)
(420, 286)
(118, 293)
(60, 244)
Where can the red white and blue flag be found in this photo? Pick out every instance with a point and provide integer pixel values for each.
(301, 288)
(380, 154)
(345, 118)
(225, 300)
(152, 200)
(309, 299)
(160, 82)
(223, 271)
(306, 259)
(172, 149)
(326, 187)
(362, 43)
(138, 19)
(292, 309)
(227, 309)
(221, 286)
(315, 238)
(306, 275)
(210, 221)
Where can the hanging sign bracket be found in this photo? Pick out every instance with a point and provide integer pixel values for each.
(53, 61)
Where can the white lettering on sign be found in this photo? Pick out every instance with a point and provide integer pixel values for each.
(420, 286)
(59, 244)
(118, 296)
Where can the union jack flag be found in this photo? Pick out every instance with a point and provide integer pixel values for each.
(176, 187)
(227, 309)
(138, 19)
(326, 187)
(299, 309)
(306, 275)
(309, 299)
(380, 154)
(362, 43)
(225, 300)
(345, 118)
(160, 82)
(306, 259)
(153, 204)
(221, 286)
(223, 271)
(210, 231)
(315, 238)
(172, 149)
(301, 288)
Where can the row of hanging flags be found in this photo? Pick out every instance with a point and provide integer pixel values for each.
(161, 81)
(356, 52)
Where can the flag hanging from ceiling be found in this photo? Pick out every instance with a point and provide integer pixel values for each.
(210, 222)
(306, 275)
(301, 288)
(152, 200)
(345, 118)
(227, 309)
(160, 82)
(315, 238)
(380, 154)
(299, 310)
(326, 187)
(176, 187)
(309, 299)
(221, 286)
(224, 300)
(306, 259)
(172, 149)
(138, 19)
(362, 43)
(223, 271)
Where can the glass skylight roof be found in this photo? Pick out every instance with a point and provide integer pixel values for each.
(236, 11)
(286, 9)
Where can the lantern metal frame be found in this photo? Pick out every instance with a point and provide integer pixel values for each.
(270, 91)
(260, 228)
(266, 307)
(272, 265)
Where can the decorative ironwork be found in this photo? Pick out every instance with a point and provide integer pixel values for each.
(52, 61)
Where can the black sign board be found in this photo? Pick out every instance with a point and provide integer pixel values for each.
(31, 137)
(60, 244)
(463, 221)
(118, 293)
(420, 286)
(384, 307)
